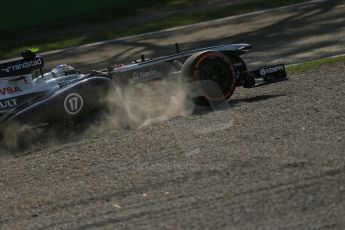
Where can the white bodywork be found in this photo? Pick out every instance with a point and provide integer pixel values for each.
(11, 89)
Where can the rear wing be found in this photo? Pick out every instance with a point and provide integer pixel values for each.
(21, 67)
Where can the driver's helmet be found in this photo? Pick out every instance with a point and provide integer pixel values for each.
(63, 70)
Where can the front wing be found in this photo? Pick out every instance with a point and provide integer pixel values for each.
(268, 75)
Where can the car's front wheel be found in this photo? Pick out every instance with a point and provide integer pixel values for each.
(213, 75)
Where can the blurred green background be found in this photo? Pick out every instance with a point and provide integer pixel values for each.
(58, 24)
(21, 13)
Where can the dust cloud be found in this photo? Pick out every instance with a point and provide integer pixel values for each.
(142, 104)
(131, 107)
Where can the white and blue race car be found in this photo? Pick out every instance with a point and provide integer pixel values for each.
(64, 95)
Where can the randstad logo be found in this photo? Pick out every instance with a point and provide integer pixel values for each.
(25, 65)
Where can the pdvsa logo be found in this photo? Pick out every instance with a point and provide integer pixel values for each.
(9, 90)
(73, 103)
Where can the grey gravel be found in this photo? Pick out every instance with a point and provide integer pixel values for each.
(279, 165)
(276, 163)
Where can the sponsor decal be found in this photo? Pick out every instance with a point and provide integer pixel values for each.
(25, 65)
(262, 72)
(270, 70)
(9, 90)
(139, 76)
(7, 104)
(67, 81)
(73, 103)
(116, 66)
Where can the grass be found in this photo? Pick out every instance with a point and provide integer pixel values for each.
(92, 28)
(302, 67)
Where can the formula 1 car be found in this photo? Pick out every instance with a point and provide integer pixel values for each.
(30, 96)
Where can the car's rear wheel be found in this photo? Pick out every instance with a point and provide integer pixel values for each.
(213, 75)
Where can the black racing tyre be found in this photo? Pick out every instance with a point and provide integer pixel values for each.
(206, 67)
